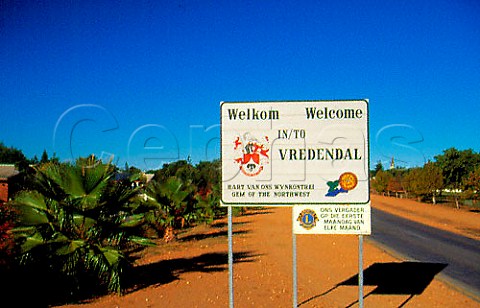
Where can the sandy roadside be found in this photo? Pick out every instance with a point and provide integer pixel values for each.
(193, 272)
(461, 221)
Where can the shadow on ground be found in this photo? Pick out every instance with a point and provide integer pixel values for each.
(222, 224)
(256, 211)
(166, 271)
(43, 292)
(393, 278)
(203, 236)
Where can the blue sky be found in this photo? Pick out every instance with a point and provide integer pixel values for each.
(142, 80)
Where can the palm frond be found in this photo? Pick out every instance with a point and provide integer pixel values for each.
(69, 247)
(132, 221)
(141, 241)
(32, 242)
(31, 199)
(31, 216)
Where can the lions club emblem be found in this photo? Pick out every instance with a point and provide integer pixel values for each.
(308, 219)
(251, 154)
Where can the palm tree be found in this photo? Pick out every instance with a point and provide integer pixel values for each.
(172, 197)
(79, 220)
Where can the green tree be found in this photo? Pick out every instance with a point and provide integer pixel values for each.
(79, 223)
(11, 155)
(173, 198)
(378, 167)
(456, 166)
(472, 183)
(34, 160)
(181, 169)
(425, 182)
(208, 173)
(44, 159)
(410, 180)
(380, 181)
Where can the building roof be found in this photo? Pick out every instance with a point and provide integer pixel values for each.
(7, 171)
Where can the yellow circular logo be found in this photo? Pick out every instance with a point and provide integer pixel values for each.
(348, 181)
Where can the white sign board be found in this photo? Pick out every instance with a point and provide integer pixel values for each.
(332, 219)
(301, 152)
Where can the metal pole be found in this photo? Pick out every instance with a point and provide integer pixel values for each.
(360, 271)
(230, 257)
(294, 257)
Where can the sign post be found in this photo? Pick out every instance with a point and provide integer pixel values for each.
(360, 271)
(311, 153)
(230, 258)
(294, 270)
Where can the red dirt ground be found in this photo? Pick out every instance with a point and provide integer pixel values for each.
(193, 271)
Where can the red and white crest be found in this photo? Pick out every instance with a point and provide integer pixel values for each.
(251, 154)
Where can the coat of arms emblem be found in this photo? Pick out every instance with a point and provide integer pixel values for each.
(251, 154)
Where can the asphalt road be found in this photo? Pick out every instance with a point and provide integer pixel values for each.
(421, 243)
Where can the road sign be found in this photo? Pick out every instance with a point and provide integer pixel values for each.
(332, 219)
(295, 152)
